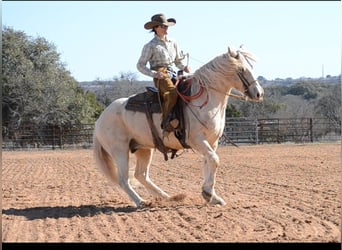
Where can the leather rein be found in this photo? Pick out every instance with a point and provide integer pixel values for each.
(203, 87)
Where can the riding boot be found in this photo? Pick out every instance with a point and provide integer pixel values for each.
(169, 95)
(170, 99)
(165, 124)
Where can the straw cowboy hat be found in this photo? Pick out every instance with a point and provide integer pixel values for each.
(159, 19)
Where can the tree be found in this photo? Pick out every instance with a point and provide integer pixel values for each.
(261, 79)
(303, 89)
(128, 76)
(268, 107)
(37, 88)
(232, 111)
(123, 85)
(329, 106)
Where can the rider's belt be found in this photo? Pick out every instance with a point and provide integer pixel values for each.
(169, 69)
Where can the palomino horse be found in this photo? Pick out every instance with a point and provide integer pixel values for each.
(117, 127)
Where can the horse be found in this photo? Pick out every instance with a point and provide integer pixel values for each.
(119, 132)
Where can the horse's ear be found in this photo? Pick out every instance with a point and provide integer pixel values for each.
(232, 52)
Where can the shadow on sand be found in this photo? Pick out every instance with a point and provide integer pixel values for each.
(66, 212)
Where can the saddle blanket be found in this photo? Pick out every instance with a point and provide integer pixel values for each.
(139, 101)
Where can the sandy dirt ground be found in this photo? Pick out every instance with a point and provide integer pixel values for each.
(274, 193)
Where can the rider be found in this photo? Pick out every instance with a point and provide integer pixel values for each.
(161, 52)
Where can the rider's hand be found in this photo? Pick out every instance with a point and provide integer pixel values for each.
(187, 69)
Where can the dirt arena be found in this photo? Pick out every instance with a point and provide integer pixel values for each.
(274, 193)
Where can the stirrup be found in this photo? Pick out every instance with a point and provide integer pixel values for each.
(166, 122)
(170, 126)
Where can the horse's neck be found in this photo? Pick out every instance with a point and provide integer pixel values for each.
(213, 99)
(217, 97)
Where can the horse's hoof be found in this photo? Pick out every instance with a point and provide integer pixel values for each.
(217, 201)
(144, 204)
(141, 204)
(206, 196)
(213, 199)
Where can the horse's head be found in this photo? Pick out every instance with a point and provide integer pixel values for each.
(249, 85)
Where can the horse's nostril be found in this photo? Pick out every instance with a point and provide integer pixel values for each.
(260, 94)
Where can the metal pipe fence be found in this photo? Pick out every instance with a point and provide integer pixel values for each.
(48, 137)
(280, 130)
(237, 130)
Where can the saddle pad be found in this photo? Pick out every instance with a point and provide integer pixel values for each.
(148, 103)
(150, 98)
(139, 102)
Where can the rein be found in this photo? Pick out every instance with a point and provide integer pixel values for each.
(246, 84)
(203, 87)
(190, 98)
(240, 75)
(241, 97)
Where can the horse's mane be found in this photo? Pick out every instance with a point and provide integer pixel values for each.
(217, 69)
(222, 67)
(248, 55)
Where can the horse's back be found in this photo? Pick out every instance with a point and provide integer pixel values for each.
(110, 122)
(122, 124)
(112, 111)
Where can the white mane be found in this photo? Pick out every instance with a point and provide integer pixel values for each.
(248, 55)
(217, 69)
(223, 66)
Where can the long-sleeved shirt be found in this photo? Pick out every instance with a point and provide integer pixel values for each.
(159, 53)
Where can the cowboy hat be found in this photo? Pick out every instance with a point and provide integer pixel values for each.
(159, 19)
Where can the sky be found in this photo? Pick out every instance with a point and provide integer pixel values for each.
(101, 39)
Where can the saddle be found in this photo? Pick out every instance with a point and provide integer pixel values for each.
(149, 102)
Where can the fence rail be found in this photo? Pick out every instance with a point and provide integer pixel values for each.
(280, 130)
(53, 137)
(237, 130)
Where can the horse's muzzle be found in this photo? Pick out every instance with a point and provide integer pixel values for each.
(256, 92)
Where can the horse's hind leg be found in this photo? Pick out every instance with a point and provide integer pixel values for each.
(122, 159)
(144, 158)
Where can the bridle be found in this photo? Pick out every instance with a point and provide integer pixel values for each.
(247, 85)
(204, 87)
(188, 99)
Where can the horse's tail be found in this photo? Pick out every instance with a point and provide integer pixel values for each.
(104, 161)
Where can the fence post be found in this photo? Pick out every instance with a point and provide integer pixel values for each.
(61, 137)
(256, 131)
(310, 127)
(53, 137)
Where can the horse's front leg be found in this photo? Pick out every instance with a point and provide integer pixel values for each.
(211, 163)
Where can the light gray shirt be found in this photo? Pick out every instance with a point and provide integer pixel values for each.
(159, 53)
